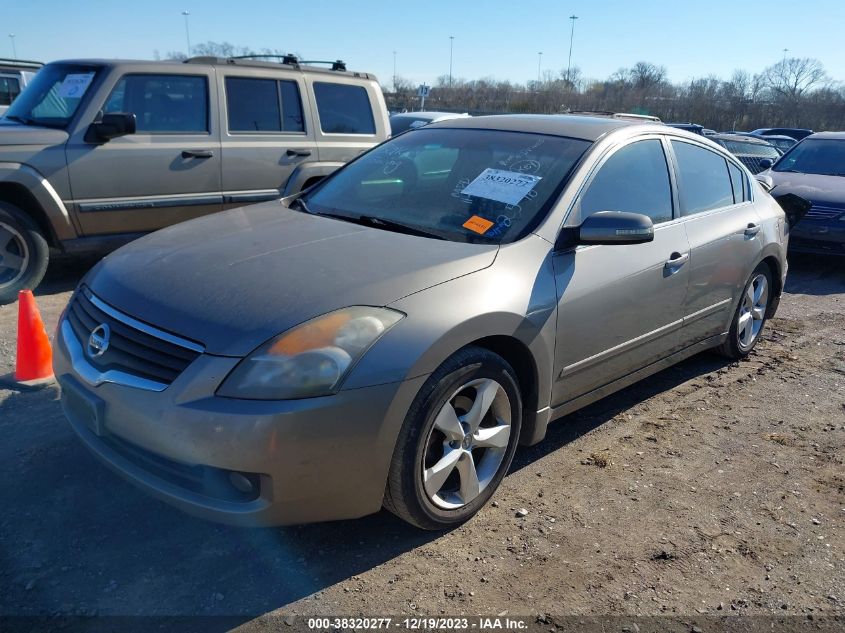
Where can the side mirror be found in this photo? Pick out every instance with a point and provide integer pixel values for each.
(616, 227)
(111, 126)
(765, 163)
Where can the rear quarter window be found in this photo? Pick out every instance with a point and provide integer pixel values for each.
(9, 89)
(344, 109)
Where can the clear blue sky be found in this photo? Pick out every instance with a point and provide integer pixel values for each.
(493, 38)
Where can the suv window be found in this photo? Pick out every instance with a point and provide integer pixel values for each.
(344, 109)
(10, 88)
(703, 181)
(635, 179)
(739, 184)
(263, 105)
(162, 103)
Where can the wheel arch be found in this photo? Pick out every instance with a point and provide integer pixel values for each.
(16, 194)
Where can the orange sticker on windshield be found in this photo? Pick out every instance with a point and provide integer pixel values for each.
(478, 224)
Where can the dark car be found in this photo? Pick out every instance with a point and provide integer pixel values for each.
(797, 133)
(780, 141)
(751, 151)
(814, 169)
(695, 128)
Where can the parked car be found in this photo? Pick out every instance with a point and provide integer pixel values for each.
(15, 75)
(795, 132)
(751, 151)
(780, 141)
(95, 153)
(409, 120)
(389, 336)
(695, 128)
(814, 169)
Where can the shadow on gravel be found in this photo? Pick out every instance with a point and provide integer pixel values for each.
(569, 428)
(815, 274)
(64, 273)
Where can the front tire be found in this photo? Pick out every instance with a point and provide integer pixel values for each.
(24, 253)
(457, 442)
(750, 315)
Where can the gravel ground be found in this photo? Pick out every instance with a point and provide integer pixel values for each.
(710, 488)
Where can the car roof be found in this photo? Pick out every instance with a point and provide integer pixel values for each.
(835, 136)
(588, 128)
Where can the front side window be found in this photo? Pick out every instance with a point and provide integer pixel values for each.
(815, 156)
(462, 185)
(10, 88)
(162, 104)
(634, 179)
(703, 180)
(263, 105)
(344, 109)
(54, 95)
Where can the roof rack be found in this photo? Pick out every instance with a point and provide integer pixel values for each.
(20, 63)
(287, 59)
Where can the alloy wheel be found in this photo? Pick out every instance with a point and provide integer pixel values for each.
(752, 313)
(467, 443)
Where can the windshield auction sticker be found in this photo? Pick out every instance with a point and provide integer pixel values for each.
(75, 85)
(502, 186)
(478, 224)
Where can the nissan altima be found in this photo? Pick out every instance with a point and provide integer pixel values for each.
(388, 337)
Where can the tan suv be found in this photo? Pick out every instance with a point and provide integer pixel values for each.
(97, 152)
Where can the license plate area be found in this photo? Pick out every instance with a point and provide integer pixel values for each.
(83, 407)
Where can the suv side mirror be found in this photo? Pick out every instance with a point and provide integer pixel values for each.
(111, 126)
(616, 227)
(765, 163)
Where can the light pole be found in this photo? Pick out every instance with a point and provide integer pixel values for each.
(14, 50)
(785, 51)
(539, 62)
(186, 13)
(451, 45)
(572, 17)
(394, 71)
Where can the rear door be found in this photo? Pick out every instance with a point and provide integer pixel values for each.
(722, 226)
(621, 306)
(167, 172)
(266, 133)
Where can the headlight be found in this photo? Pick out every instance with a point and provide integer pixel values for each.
(311, 359)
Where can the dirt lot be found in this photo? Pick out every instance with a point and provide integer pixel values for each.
(712, 487)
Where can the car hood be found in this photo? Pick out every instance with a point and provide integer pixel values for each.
(818, 189)
(233, 280)
(14, 133)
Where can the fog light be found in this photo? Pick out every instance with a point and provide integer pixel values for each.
(242, 483)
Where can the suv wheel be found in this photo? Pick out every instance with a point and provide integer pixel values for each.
(23, 253)
(457, 441)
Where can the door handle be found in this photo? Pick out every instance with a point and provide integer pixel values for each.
(197, 153)
(752, 230)
(298, 152)
(676, 260)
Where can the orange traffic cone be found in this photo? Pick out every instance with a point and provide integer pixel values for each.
(34, 366)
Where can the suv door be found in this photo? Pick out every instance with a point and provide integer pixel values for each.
(167, 172)
(722, 226)
(620, 307)
(266, 137)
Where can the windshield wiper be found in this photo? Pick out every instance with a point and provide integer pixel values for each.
(303, 206)
(392, 225)
(20, 119)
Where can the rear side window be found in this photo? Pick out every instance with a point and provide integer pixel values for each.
(263, 105)
(703, 180)
(9, 89)
(740, 186)
(635, 179)
(344, 109)
(162, 104)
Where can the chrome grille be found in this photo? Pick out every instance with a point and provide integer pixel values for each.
(823, 213)
(133, 348)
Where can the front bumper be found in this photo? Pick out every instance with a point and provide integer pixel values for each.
(818, 236)
(314, 459)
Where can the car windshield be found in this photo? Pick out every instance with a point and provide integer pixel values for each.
(53, 96)
(815, 156)
(781, 143)
(463, 185)
(752, 149)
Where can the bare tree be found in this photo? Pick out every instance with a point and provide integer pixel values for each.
(792, 77)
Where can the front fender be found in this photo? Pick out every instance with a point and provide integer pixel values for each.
(45, 195)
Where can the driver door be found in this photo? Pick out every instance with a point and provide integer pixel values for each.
(620, 307)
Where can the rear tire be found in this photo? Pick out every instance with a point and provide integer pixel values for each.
(750, 315)
(24, 253)
(457, 442)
